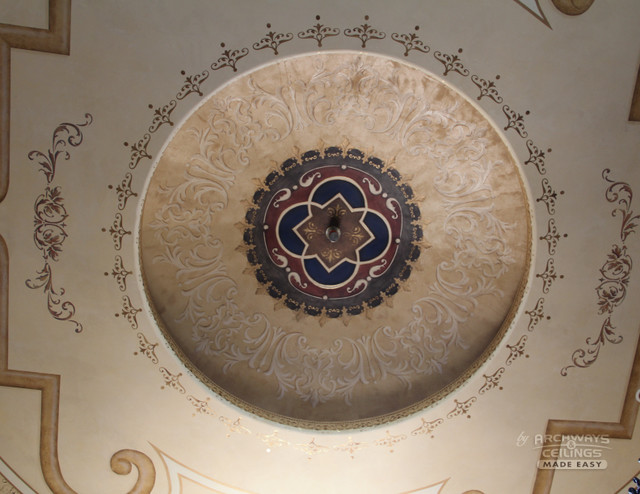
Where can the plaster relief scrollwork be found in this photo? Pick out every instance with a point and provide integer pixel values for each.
(377, 102)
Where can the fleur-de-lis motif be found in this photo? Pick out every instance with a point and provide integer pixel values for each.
(452, 63)
(139, 151)
(229, 58)
(364, 33)
(146, 348)
(487, 88)
(427, 427)
(172, 380)
(162, 115)
(549, 275)
(129, 312)
(549, 196)
(515, 121)
(311, 448)
(117, 231)
(462, 408)
(192, 84)
(410, 42)
(389, 441)
(536, 314)
(120, 273)
(318, 32)
(350, 447)
(124, 191)
(516, 350)
(552, 236)
(491, 381)
(536, 157)
(201, 405)
(272, 40)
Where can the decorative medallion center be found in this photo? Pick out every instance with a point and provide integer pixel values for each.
(334, 232)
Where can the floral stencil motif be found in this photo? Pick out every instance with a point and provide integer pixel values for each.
(49, 220)
(614, 275)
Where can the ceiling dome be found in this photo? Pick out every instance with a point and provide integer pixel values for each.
(335, 240)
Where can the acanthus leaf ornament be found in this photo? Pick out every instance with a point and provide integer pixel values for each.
(65, 133)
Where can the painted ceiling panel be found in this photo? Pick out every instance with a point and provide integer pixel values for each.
(138, 141)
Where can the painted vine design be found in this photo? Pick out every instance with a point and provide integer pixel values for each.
(229, 59)
(614, 275)
(50, 215)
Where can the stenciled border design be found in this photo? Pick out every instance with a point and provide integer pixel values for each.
(49, 220)
(614, 275)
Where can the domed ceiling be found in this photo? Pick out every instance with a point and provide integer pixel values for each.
(338, 247)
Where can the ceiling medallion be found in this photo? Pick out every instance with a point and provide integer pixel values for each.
(333, 233)
(233, 227)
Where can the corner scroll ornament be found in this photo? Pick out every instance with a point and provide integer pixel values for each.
(319, 32)
(364, 33)
(615, 274)
(121, 463)
(272, 40)
(50, 214)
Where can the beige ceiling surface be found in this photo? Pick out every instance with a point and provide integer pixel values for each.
(93, 397)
